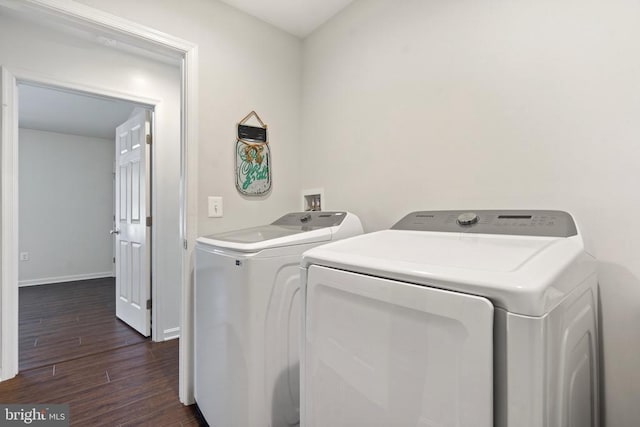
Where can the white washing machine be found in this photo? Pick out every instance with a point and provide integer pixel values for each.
(452, 319)
(247, 317)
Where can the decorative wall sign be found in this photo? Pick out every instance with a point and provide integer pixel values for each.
(253, 158)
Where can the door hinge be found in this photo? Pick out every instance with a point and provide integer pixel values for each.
(114, 260)
(184, 243)
(149, 221)
(149, 139)
(148, 304)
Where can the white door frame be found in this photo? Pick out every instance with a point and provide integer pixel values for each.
(76, 15)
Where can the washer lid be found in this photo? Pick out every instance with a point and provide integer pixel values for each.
(295, 228)
(523, 274)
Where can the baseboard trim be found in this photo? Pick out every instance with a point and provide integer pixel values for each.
(60, 279)
(171, 334)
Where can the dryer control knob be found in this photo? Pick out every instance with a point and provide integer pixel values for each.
(467, 218)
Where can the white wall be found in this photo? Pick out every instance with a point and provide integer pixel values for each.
(245, 64)
(27, 46)
(66, 207)
(496, 104)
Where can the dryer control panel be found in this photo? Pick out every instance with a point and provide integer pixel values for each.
(516, 222)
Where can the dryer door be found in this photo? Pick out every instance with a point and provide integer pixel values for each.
(379, 352)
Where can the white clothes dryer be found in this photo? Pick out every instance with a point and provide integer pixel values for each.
(247, 317)
(451, 318)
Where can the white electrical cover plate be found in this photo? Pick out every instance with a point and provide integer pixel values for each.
(215, 207)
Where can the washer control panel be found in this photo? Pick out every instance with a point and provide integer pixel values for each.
(516, 222)
(313, 219)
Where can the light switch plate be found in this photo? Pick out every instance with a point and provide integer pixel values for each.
(215, 206)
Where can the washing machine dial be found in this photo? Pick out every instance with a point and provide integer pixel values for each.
(467, 218)
(305, 218)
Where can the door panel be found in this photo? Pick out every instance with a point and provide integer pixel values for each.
(137, 274)
(135, 192)
(122, 202)
(123, 142)
(133, 207)
(123, 269)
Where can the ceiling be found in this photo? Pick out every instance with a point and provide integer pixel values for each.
(298, 17)
(74, 113)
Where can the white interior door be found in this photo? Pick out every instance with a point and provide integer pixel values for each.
(133, 222)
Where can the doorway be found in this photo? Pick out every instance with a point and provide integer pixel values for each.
(104, 80)
(68, 262)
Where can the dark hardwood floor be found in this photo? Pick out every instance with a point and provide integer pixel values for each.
(73, 350)
(65, 321)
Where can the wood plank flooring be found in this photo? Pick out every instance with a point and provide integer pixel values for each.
(73, 351)
(65, 321)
